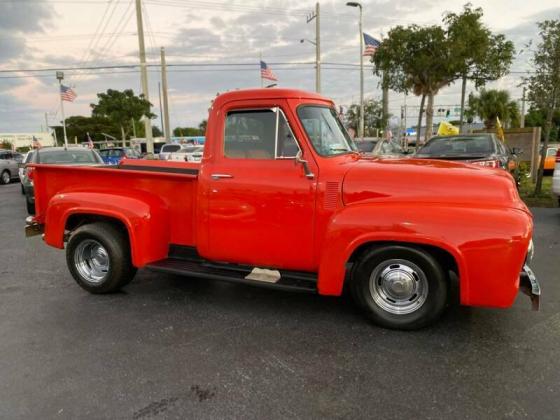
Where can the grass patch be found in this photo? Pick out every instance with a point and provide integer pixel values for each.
(545, 199)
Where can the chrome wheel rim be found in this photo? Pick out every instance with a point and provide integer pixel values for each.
(91, 260)
(5, 177)
(398, 286)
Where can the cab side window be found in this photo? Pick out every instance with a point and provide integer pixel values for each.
(258, 134)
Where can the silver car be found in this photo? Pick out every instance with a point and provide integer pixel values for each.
(8, 166)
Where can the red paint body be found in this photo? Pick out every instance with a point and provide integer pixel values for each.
(270, 215)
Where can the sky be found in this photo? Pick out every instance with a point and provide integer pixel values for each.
(214, 46)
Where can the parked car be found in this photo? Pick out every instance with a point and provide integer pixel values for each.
(365, 146)
(75, 156)
(9, 166)
(556, 177)
(282, 200)
(188, 154)
(114, 155)
(550, 159)
(479, 149)
(21, 171)
(168, 148)
(388, 148)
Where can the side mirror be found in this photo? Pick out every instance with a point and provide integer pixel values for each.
(304, 163)
(516, 151)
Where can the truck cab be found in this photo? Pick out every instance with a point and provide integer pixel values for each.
(283, 199)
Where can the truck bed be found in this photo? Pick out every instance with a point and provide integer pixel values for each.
(173, 183)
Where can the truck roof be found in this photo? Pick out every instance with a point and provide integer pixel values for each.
(271, 93)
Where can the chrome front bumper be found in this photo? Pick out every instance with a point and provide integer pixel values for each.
(530, 286)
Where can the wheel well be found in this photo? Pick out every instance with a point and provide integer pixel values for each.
(448, 262)
(76, 220)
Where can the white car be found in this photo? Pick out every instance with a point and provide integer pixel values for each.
(556, 177)
(188, 154)
(169, 148)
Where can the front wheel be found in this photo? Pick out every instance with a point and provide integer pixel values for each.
(399, 287)
(98, 257)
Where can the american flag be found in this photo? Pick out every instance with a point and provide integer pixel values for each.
(371, 45)
(67, 93)
(266, 73)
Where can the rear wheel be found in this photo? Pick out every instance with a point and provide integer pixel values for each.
(5, 177)
(399, 287)
(98, 257)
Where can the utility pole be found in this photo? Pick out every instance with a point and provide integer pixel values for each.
(361, 127)
(160, 109)
(60, 77)
(317, 17)
(165, 121)
(144, 76)
(522, 121)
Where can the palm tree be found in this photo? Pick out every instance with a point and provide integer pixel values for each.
(492, 104)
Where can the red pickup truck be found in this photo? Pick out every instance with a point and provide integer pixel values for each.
(283, 199)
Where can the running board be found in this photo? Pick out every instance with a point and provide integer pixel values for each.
(294, 281)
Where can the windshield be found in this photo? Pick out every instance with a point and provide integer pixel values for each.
(325, 130)
(458, 146)
(67, 156)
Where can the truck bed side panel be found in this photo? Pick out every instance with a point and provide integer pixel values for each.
(169, 194)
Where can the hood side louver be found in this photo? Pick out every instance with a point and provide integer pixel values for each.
(331, 195)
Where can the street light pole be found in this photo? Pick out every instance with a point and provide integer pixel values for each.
(60, 77)
(361, 127)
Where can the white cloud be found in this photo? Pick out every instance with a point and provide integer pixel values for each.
(226, 32)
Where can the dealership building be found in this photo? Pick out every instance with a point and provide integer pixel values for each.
(26, 139)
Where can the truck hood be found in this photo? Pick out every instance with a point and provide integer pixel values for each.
(429, 181)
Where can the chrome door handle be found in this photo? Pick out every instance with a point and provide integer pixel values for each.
(219, 176)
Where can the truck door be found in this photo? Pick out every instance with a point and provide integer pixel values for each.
(261, 204)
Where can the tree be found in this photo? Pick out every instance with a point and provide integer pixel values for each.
(537, 117)
(6, 145)
(202, 126)
(121, 108)
(544, 83)
(416, 59)
(79, 126)
(478, 54)
(373, 117)
(141, 131)
(187, 132)
(492, 104)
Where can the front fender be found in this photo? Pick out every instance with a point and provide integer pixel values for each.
(489, 244)
(145, 218)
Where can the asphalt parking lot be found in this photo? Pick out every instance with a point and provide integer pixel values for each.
(170, 347)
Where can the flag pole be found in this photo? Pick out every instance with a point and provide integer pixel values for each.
(60, 76)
